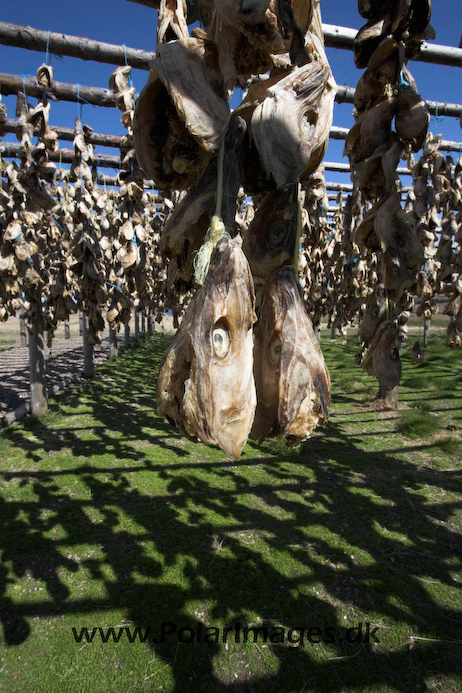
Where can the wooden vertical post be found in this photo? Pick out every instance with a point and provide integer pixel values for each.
(334, 332)
(150, 322)
(81, 323)
(67, 330)
(143, 322)
(113, 350)
(22, 329)
(127, 334)
(49, 344)
(426, 331)
(137, 324)
(37, 375)
(88, 364)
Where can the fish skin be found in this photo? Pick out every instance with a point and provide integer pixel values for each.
(293, 393)
(269, 242)
(206, 397)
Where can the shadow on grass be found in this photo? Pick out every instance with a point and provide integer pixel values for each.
(293, 538)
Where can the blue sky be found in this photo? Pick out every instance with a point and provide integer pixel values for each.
(120, 22)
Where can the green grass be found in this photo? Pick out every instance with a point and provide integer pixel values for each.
(450, 446)
(110, 519)
(417, 424)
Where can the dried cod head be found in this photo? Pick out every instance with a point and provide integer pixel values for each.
(293, 383)
(291, 125)
(181, 115)
(205, 385)
(382, 359)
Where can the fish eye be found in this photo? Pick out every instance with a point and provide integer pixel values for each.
(221, 341)
(275, 349)
(277, 233)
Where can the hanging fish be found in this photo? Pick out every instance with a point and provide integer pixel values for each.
(417, 353)
(182, 114)
(293, 383)
(375, 313)
(382, 358)
(205, 385)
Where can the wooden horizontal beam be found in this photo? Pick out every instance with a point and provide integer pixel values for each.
(88, 49)
(348, 187)
(12, 84)
(343, 37)
(338, 133)
(332, 166)
(67, 134)
(74, 46)
(440, 108)
(12, 150)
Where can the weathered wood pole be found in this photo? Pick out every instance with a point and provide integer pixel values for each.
(49, 344)
(12, 84)
(88, 363)
(426, 331)
(143, 322)
(137, 324)
(22, 329)
(127, 334)
(67, 329)
(113, 349)
(150, 322)
(81, 323)
(37, 375)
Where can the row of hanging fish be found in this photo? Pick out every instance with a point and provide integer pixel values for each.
(391, 123)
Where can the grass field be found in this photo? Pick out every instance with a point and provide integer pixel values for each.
(110, 519)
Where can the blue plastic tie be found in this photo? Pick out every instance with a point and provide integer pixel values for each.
(114, 286)
(438, 118)
(403, 83)
(58, 224)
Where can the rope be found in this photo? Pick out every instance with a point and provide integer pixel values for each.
(47, 54)
(130, 82)
(215, 232)
(24, 85)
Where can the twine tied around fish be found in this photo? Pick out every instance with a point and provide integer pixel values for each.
(215, 232)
